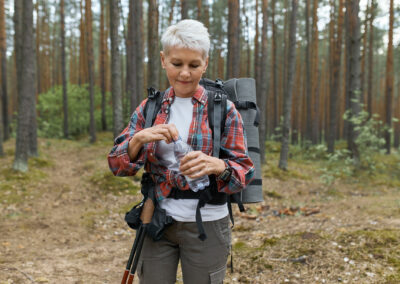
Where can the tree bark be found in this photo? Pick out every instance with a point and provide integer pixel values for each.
(315, 76)
(308, 133)
(27, 84)
(63, 70)
(153, 64)
(115, 69)
(389, 81)
(130, 59)
(353, 41)
(233, 63)
(336, 49)
(90, 67)
(3, 73)
(103, 54)
(370, 58)
(263, 84)
(138, 47)
(184, 10)
(275, 95)
(287, 103)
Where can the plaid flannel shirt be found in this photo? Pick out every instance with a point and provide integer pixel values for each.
(233, 147)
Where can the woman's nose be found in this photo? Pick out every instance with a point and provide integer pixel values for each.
(185, 72)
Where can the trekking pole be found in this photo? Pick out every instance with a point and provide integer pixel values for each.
(133, 250)
(147, 214)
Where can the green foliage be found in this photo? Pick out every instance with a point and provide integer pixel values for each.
(369, 141)
(50, 111)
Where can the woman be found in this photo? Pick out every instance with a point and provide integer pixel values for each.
(184, 113)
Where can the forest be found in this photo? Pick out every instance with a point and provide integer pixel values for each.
(327, 77)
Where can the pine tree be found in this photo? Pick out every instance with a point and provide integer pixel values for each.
(3, 76)
(287, 103)
(115, 69)
(389, 81)
(63, 70)
(26, 68)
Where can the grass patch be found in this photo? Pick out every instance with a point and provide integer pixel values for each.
(106, 181)
(382, 245)
(272, 171)
(40, 162)
(273, 194)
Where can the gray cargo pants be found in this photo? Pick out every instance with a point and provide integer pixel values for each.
(201, 261)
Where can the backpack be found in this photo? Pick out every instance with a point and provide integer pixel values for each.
(242, 93)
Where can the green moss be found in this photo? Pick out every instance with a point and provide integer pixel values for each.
(239, 245)
(273, 171)
(381, 244)
(40, 162)
(108, 182)
(273, 194)
(270, 242)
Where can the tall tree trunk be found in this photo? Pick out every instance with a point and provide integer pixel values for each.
(389, 81)
(130, 59)
(3, 73)
(26, 95)
(370, 58)
(138, 47)
(199, 6)
(90, 67)
(153, 64)
(233, 63)
(353, 41)
(308, 133)
(257, 71)
(363, 54)
(287, 103)
(275, 95)
(336, 49)
(263, 84)
(63, 70)
(171, 12)
(103, 54)
(315, 76)
(115, 69)
(184, 10)
(396, 142)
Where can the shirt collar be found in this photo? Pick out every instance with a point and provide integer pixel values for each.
(200, 95)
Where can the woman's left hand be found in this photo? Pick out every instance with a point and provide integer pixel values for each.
(197, 164)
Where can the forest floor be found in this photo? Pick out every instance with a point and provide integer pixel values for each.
(62, 222)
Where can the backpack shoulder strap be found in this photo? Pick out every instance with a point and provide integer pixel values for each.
(152, 106)
(217, 102)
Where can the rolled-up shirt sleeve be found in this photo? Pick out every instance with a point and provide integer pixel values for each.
(118, 159)
(234, 153)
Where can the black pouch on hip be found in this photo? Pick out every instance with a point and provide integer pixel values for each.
(159, 223)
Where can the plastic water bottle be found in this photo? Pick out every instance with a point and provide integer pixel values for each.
(180, 150)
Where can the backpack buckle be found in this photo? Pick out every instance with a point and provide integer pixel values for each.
(217, 97)
(151, 93)
(219, 83)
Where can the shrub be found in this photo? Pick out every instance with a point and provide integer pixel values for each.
(50, 111)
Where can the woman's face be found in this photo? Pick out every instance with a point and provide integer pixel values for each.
(184, 69)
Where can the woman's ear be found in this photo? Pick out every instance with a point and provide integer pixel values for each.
(206, 65)
(162, 59)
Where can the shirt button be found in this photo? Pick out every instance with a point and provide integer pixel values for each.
(170, 99)
(167, 111)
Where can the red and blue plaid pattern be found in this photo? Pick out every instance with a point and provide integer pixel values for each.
(233, 147)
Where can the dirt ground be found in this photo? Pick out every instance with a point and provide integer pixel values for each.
(62, 222)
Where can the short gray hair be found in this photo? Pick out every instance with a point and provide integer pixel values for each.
(190, 34)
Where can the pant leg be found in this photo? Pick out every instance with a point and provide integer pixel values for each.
(205, 261)
(159, 260)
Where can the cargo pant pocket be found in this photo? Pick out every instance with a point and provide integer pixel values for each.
(217, 277)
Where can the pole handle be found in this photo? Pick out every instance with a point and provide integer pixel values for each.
(126, 273)
(147, 211)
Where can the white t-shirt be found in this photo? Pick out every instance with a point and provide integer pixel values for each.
(184, 210)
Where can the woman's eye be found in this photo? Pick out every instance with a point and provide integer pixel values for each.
(177, 64)
(194, 66)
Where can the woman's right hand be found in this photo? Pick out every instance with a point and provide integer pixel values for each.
(165, 132)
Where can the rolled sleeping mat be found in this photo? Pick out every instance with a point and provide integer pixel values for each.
(245, 101)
